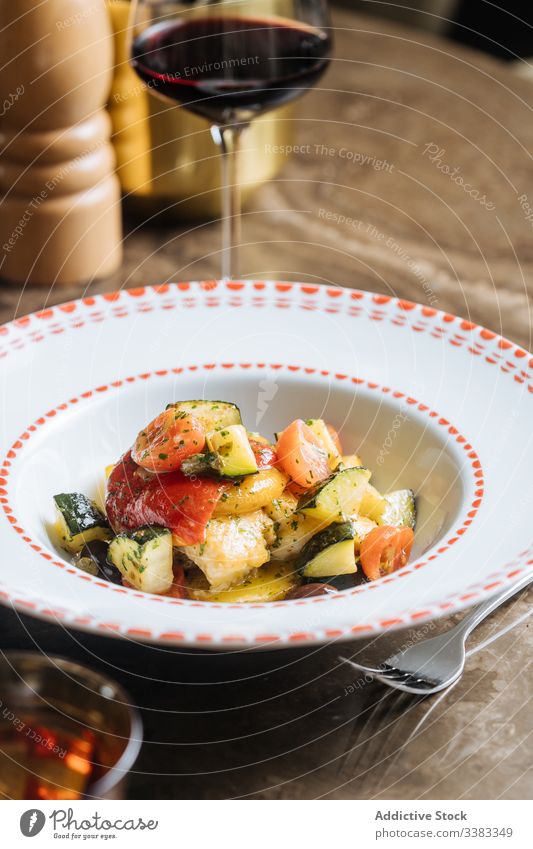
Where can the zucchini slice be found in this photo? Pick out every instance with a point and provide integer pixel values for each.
(339, 582)
(372, 504)
(233, 449)
(319, 428)
(213, 415)
(79, 521)
(330, 552)
(144, 558)
(400, 509)
(339, 495)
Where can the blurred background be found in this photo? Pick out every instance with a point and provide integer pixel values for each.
(101, 156)
(504, 30)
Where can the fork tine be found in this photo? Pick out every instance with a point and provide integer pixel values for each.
(398, 684)
(410, 684)
(372, 670)
(420, 683)
(385, 671)
(392, 672)
(414, 678)
(393, 677)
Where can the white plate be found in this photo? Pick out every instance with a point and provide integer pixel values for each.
(429, 400)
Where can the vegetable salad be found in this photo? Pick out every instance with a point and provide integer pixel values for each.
(199, 507)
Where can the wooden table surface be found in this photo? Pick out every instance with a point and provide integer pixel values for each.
(425, 149)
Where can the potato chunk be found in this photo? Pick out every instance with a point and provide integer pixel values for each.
(292, 534)
(282, 508)
(234, 546)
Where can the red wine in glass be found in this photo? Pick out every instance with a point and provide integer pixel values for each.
(228, 68)
(229, 61)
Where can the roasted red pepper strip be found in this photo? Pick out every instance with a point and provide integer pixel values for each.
(183, 505)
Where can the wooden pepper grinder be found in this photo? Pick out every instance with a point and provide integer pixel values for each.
(60, 218)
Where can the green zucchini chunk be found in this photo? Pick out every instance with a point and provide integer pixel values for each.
(233, 449)
(79, 521)
(337, 496)
(339, 582)
(330, 552)
(400, 509)
(144, 558)
(213, 415)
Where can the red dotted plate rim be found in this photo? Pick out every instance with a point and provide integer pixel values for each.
(460, 333)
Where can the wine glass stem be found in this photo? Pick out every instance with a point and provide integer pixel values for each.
(228, 139)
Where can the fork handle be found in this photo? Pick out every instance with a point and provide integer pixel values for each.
(479, 613)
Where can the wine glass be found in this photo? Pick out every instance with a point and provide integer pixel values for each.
(230, 61)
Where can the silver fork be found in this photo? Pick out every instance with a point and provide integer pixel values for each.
(432, 665)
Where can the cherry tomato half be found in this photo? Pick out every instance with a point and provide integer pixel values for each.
(171, 437)
(384, 550)
(301, 456)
